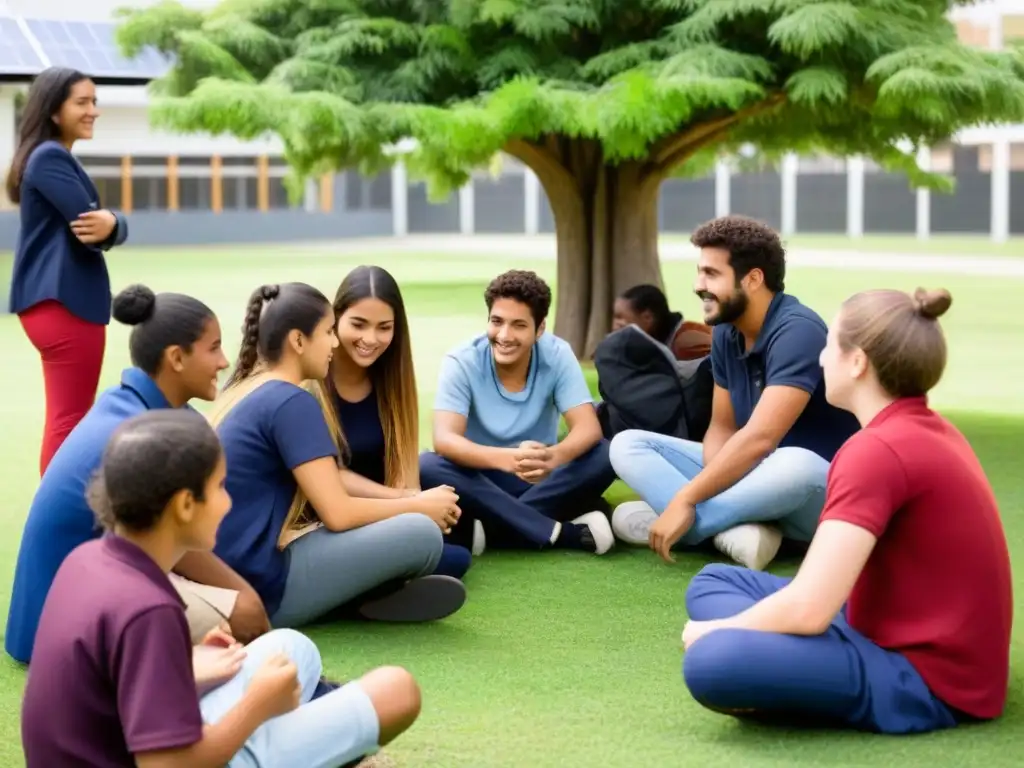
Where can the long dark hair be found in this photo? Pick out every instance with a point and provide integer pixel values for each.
(273, 312)
(393, 376)
(49, 91)
(159, 321)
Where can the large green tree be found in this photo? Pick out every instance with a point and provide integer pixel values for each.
(603, 99)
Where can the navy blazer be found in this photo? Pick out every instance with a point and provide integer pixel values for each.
(49, 261)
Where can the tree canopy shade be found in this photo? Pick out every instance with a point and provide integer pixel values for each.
(603, 99)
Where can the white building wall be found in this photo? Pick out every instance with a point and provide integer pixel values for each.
(123, 128)
(126, 131)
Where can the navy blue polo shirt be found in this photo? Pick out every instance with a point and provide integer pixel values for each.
(50, 263)
(60, 519)
(271, 431)
(785, 354)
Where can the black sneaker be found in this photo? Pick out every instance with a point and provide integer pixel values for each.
(589, 533)
(428, 598)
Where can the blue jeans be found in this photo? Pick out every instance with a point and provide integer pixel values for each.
(515, 513)
(330, 731)
(787, 488)
(839, 678)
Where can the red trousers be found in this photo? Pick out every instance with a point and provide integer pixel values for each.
(72, 354)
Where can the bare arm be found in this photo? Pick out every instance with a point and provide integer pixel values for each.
(774, 415)
(364, 488)
(219, 744)
(584, 434)
(450, 442)
(722, 426)
(809, 603)
(207, 568)
(322, 484)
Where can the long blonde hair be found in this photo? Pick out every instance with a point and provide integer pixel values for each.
(392, 375)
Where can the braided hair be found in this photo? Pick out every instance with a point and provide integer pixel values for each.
(272, 313)
(248, 353)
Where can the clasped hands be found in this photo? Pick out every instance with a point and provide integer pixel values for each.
(94, 227)
(531, 462)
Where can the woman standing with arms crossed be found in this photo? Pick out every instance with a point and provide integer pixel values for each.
(60, 288)
(369, 396)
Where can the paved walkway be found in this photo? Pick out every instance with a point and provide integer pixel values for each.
(543, 247)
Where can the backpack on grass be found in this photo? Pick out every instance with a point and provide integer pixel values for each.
(643, 386)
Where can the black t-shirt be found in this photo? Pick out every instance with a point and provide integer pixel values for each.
(360, 423)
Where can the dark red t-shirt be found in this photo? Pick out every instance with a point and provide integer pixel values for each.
(111, 672)
(937, 587)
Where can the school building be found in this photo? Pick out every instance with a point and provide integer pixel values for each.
(199, 189)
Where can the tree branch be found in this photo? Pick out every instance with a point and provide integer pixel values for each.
(674, 149)
(541, 161)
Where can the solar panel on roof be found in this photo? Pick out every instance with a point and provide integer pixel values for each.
(17, 56)
(92, 48)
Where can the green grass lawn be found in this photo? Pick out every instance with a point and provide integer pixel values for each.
(559, 658)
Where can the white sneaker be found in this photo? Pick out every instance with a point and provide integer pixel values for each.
(604, 539)
(753, 545)
(632, 521)
(479, 539)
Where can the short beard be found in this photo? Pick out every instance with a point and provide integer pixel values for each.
(730, 310)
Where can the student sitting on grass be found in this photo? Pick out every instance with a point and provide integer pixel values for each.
(116, 680)
(372, 557)
(654, 369)
(496, 415)
(899, 618)
(370, 396)
(759, 473)
(176, 350)
(646, 307)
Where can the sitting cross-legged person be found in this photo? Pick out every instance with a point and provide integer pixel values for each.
(759, 474)
(496, 415)
(116, 680)
(176, 354)
(899, 618)
(369, 397)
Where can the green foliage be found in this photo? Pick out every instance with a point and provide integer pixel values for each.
(340, 80)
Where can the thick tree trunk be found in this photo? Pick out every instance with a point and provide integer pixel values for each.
(606, 229)
(607, 236)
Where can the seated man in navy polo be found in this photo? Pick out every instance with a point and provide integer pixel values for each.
(496, 417)
(760, 473)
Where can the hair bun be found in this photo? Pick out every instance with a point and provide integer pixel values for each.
(932, 304)
(270, 292)
(134, 305)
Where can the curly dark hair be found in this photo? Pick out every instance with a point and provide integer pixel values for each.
(522, 286)
(751, 244)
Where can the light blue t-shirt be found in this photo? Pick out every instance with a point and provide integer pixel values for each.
(469, 385)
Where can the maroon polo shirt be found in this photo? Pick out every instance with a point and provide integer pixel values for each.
(937, 587)
(111, 673)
